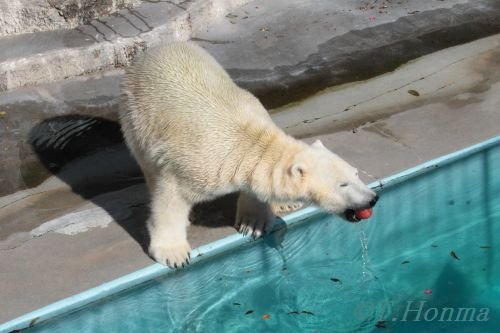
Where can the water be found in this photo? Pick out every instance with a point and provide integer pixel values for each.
(300, 288)
(364, 255)
(330, 276)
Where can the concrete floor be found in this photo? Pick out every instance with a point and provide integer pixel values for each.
(74, 231)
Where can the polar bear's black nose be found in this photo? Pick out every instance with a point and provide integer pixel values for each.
(373, 201)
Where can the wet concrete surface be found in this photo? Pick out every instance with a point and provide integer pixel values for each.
(330, 45)
(377, 125)
(435, 79)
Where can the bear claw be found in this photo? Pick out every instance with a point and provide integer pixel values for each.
(250, 228)
(285, 208)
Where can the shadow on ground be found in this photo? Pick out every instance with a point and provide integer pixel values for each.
(89, 154)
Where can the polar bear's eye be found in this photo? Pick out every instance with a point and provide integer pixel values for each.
(343, 184)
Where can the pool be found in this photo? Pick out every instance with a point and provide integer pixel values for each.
(428, 261)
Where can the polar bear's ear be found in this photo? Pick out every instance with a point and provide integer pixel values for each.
(317, 144)
(297, 170)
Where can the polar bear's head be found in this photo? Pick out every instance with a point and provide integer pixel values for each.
(330, 182)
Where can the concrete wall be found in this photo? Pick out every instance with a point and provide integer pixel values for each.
(25, 16)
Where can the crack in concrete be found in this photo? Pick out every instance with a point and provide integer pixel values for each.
(130, 23)
(215, 42)
(385, 133)
(445, 86)
(99, 32)
(178, 5)
(369, 175)
(141, 18)
(86, 34)
(109, 27)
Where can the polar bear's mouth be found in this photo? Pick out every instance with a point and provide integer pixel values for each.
(350, 216)
(355, 216)
(361, 212)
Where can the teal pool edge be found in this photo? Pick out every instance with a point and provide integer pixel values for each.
(77, 301)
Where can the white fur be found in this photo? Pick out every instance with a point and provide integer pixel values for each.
(196, 136)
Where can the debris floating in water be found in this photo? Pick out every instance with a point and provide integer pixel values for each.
(237, 304)
(248, 312)
(428, 291)
(266, 316)
(405, 262)
(303, 311)
(454, 255)
(336, 280)
(307, 312)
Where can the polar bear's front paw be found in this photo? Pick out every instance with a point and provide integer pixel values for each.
(250, 226)
(253, 217)
(254, 223)
(173, 254)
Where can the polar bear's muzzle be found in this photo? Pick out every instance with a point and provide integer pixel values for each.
(360, 213)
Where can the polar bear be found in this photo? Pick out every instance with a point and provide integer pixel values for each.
(196, 136)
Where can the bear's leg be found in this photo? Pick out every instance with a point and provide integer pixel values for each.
(148, 175)
(253, 216)
(167, 224)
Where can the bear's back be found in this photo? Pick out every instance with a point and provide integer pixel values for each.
(179, 77)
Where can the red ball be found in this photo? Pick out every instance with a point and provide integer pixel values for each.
(363, 214)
